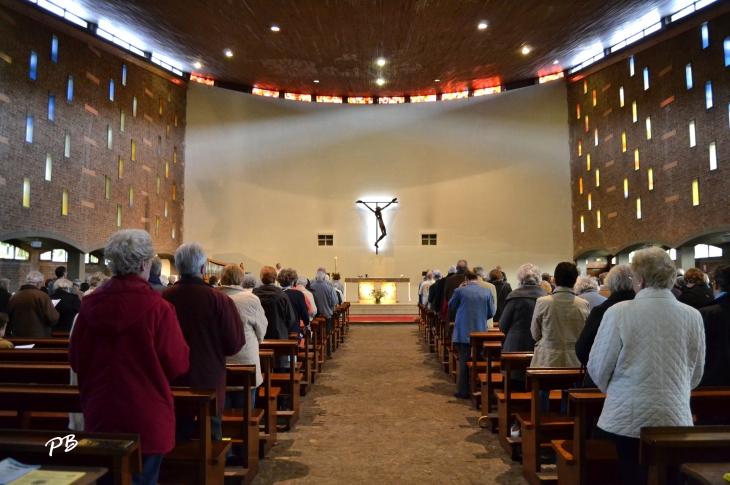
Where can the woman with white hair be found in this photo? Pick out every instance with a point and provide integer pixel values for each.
(125, 347)
(67, 304)
(621, 287)
(586, 287)
(647, 357)
(516, 318)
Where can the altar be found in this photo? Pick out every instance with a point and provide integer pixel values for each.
(396, 289)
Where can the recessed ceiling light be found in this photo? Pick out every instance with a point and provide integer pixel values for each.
(381, 62)
(436, 80)
(556, 61)
(526, 49)
(229, 53)
(316, 80)
(482, 25)
(198, 65)
(275, 28)
(380, 81)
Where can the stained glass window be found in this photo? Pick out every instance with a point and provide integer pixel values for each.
(550, 77)
(391, 100)
(485, 91)
(298, 97)
(359, 100)
(202, 80)
(456, 95)
(329, 99)
(423, 99)
(265, 92)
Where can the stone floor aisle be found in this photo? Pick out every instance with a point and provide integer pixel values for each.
(381, 413)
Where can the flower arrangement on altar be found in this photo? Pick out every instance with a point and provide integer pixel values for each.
(378, 295)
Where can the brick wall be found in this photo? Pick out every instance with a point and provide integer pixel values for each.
(668, 215)
(91, 217)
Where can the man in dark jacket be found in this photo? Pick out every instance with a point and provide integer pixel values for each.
(67, 304)
(278, 310)
(4, 294)
(619, 283)
(436, 292)
(60, 273)
(212, 329)
(717, 331)
(452, 284)
(30, 310)
(286, 278)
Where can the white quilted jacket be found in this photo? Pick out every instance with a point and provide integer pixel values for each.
(647, 357)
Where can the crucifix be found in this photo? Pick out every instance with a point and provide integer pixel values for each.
(379, 235)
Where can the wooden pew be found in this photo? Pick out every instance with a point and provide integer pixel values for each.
(194, 461)
(583, 461)
(538, 428)
(509, 402)
(41, 343)
(119, 453)
(665, 446)
(596, 461)
(288, 382)
(316, 348)
(431, 331)
(242, 425)
(266, 400)
(490, 381)
(306, 357)
(475, 365)
(33, 355)
(705, 473)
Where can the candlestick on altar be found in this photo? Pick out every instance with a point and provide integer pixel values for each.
(335, 264)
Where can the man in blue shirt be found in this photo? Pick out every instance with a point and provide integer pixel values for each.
(474, 305)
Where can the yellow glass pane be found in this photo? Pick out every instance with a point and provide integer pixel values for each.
(64, 203)
(696, 192)
(26, 192)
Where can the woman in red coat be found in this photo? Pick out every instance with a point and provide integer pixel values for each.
(125, 347)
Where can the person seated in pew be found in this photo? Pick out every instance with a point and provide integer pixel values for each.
(278, 309)
(695, 292)
(472, 306)
(125, 346)
(213, 330)
(716, 318)
(4, 344)
(286, 278)
(647, 357)
(325, 297)
(254, 327)
(621, 288)
(587, 288)
(556, 325)
(67, 304)
(516, 319)
(31, 311)
(301, 285)
(502, 289)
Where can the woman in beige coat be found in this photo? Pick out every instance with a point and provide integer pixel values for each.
(556, 325)
(254, 327)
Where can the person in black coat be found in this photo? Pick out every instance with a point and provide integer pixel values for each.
(517, 316)
(278, 309)
(67, 304)
(619, 282)
(716, 317)
(695, 292)
(4, 295)
(286, 278)
(503, 290)
(436, 292)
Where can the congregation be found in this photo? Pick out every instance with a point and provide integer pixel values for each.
(150, 336)
(631, 329)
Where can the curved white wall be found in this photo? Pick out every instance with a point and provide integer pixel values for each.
(489, 175)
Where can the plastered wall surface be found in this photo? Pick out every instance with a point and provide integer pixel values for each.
(489, 176)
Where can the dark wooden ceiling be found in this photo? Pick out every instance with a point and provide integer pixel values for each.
(338, 41)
